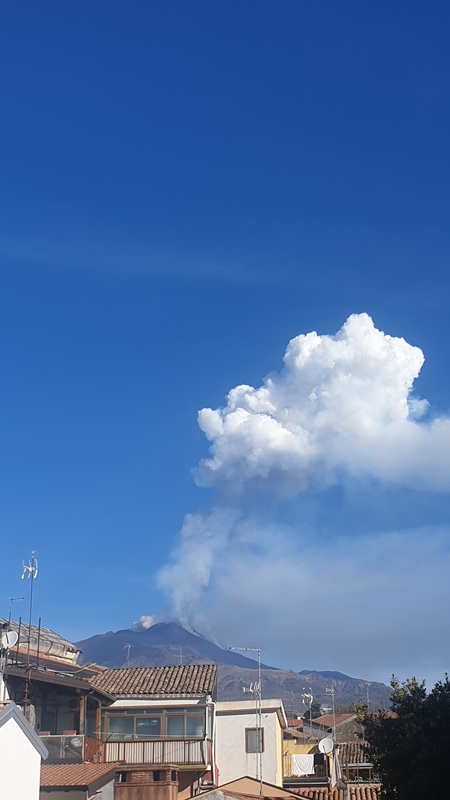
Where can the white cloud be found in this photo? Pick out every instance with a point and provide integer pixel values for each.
(319, 594)
(144, 622)
(341, 404)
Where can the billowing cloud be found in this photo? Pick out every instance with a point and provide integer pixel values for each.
(144, 622)
(337, 445)
(341, 405)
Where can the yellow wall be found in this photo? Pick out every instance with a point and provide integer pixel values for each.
(291, 747)
(279, 741)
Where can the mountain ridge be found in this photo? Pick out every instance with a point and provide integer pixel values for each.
(169, 644)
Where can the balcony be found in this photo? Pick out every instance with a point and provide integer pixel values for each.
(73, 749)
(179, 752)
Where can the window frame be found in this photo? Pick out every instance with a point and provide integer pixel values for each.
(163, 715)
(248, 732)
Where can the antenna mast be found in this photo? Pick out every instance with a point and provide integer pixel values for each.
(332, 692)
(255, 689)
(126, 652)
(11, 601)
(30, 571)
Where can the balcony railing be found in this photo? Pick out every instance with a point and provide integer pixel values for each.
(73, 749)
(182, 752)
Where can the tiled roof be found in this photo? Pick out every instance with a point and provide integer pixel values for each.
(45, 635)
(355, 792)
(293, 733)
(353, 753)
(245, 796)
(74, 775)
(188, 679)
(327, 720)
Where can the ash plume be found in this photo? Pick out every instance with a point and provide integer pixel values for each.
(341, 415)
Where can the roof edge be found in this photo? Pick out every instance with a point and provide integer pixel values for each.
(12, 711)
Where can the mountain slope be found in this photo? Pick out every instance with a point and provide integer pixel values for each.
(168, 643)
(165, 643)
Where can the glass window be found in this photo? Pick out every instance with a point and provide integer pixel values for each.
(148, 727)
(194, 726)
(175, 726)
(254, 740)
(120, 727)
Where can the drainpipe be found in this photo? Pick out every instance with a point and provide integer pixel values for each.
(210, 704)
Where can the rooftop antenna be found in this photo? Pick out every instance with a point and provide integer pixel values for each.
(30, 572)
(126, 652)
(308, 696)
(255, 690)
(332, 692)
(11, 601)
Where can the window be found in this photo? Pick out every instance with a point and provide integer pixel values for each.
(121, 727)
(148, 727)
(175, 726)
(176, 723)
(254, 740)
(195, 725)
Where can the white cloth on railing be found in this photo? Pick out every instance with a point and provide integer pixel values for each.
(303, 764)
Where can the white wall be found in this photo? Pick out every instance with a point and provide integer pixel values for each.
(105, 793)
(20, 764)
(232, 760)
(4, 695)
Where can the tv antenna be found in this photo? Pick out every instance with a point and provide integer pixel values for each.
(255, 690)
(30, 571)
(332, 692)
(11, 601)
(126, 652)
(309, 697)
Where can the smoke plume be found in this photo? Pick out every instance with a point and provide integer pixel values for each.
(340, 413)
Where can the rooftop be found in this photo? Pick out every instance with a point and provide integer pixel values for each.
(353, 753)
(355, 792)
(327, 720)
(45, 640)
(81, 776)
(197, 679)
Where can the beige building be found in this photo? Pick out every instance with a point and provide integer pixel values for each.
(236, 741)
(21, 752)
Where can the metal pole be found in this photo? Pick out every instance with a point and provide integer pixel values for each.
(331, 691)
(11, 601)
(257, 692)
(333, 683)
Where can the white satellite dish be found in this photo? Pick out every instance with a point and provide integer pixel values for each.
(326, 745)
(9, 640)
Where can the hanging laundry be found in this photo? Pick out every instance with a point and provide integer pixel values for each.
(303, 764)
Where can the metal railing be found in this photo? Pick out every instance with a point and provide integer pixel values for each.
(183, 752)
(73, 749)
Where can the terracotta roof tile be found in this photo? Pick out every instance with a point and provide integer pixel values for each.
(327, 720)
(355, 792)
(74, 775)
(188, 679)
(353, 753)
(246, 795)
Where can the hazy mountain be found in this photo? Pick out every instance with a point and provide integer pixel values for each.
(168, 643)
(165, 643)
(337, 676)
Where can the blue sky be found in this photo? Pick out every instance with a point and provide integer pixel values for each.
(185, 188)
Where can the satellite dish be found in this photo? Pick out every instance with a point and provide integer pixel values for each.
(326, 745)
(9, 640)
